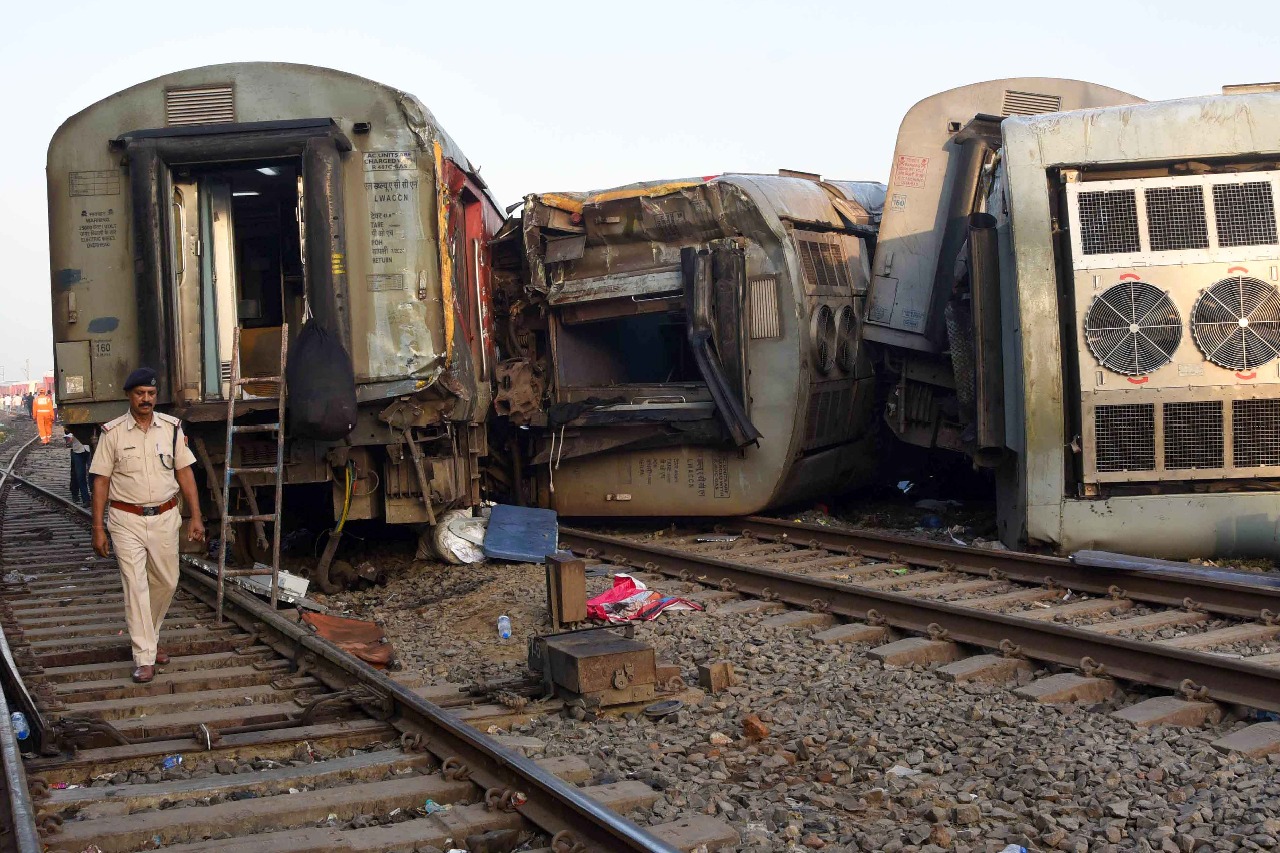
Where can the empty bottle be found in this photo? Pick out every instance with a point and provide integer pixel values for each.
(20, 728)
(504, 627)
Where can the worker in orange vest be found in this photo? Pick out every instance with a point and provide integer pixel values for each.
(42, 411)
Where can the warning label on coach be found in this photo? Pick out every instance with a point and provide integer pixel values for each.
(909, 171)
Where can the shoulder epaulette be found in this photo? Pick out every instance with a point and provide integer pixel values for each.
(169, 419)
(112, 424)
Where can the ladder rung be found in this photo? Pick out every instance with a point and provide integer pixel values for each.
(233, 573)
(264, 517)
(254, 380)
(255, 469)
(255, 428)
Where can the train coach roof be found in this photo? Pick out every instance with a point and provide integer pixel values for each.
(287, 81)
(1224, 126)
(789, 196)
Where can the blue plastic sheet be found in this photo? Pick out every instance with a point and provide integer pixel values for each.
(520, 533)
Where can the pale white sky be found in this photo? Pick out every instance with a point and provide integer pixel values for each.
(577, 95)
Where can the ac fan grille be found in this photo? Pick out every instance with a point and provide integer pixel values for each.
(846, 339)
(1108, 222)
(1236, 323)
(1245, 214)
(1176, 219)
(1133, 328)
(1255, 426)
(1193, 435)
(824, 338)
(1125, 437)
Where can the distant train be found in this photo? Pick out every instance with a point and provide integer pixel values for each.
(253, 195)
(688, 347)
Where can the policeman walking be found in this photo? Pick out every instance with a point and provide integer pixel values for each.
(141, 463)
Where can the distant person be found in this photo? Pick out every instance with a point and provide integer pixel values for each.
(141, 464)
(42, 411)
(28, 400)
(79, 470)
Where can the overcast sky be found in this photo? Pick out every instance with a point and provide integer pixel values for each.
(579, 95)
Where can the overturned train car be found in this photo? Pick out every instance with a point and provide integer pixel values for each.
(687, 347)
(253, 195)
(1109, 341)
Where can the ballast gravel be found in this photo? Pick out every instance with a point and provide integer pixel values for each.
(849, 755)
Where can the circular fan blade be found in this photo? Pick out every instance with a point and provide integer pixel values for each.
(1236, 323)
(1133, 328)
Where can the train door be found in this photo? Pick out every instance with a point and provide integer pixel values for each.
(237, 262)
(184, 232)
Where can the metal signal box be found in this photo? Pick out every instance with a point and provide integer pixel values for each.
(597, 666)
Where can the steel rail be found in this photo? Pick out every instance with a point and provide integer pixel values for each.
(552, 804)
(1226, 679)
(22, 813)
(1171, 588)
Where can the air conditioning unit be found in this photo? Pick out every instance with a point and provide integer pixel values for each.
(1177, 317)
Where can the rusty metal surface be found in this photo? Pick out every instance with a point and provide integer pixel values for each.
(601, 664)
(1225, 679)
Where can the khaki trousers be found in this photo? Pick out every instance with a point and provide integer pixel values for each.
(147, 550)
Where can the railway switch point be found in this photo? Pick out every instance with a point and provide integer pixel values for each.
(994, 669)
(1170, 711)
(916, 650)
(1067, 687)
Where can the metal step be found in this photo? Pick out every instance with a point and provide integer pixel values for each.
(256, 428)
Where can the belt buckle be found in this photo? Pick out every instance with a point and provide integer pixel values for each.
(148, 511)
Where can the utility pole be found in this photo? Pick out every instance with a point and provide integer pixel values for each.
(28, 369)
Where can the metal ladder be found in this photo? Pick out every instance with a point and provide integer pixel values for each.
(237, 382)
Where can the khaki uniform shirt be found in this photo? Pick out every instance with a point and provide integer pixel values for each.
(141, 463)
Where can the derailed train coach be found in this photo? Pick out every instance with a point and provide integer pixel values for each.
(686, 347)
(1108, 342)
(255, 195)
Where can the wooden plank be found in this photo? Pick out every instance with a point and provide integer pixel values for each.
(184, 663)
(168, 683)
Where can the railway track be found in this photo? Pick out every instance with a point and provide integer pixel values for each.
(1209, 640)
(258, 735)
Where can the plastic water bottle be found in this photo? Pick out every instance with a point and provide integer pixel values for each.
(20, 727)
(504, 627)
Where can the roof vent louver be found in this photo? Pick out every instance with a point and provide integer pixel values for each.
(1132, 328)
(1236, 323)
(1029, 103)
(199, 105)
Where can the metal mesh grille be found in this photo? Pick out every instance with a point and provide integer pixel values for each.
(1175, 218)
(824, 265)
(765, 321)
(1029, 103)
(830, 416)
(1125, 437)
(1255, 425)
(1108, 222)
(1245, 213)
(200, 105)
(1236, 323)
(1193, 436)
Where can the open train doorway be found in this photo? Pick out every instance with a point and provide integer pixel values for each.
(239, 243)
